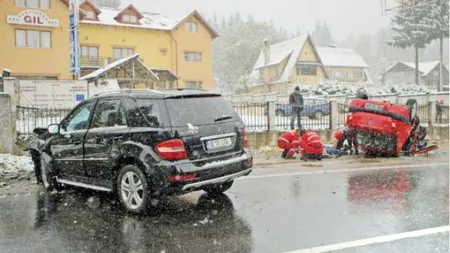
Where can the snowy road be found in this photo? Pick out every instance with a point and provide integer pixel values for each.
(356, 205)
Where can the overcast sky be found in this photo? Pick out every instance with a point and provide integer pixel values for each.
(343, 16)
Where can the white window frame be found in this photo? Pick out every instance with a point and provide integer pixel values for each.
(40, 42)
(341, 74)
(193, 56)
(193, 84)
(191, 27)
(124, 52)
(41, 4)
(129, 18)
(91, 15)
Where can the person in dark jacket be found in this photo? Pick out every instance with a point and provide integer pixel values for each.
(296, 102)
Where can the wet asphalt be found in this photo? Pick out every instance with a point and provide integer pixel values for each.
(275, 209)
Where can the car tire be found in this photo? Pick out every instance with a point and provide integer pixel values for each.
(219, 188)
(318, 114)
(279, 113)
(48, 179)
(132, 189)
(412, 104)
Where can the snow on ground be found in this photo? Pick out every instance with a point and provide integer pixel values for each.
(15, 167)
(339, 88)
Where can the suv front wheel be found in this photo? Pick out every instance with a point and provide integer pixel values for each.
(218, 188)
(132, 188)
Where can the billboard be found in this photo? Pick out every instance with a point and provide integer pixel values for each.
(60, 94)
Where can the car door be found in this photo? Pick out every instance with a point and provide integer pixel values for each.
(67, 147)
(107, 129)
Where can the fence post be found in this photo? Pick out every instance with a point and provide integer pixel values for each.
(11, 86)
(334, 114)
(431, 112)
(271, 116)
(397, 98)
(7, 133)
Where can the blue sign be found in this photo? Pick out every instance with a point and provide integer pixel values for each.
(79, 97)
(74, 40)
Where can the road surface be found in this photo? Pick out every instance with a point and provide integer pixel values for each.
(340, 206)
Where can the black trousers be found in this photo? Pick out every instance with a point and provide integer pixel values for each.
(296, 112)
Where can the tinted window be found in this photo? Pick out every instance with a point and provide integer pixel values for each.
(198, 110)
(152, 110)
(79, 119)
(108, 113)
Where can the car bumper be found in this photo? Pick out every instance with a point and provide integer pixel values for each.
(218, 180)
(210, 173)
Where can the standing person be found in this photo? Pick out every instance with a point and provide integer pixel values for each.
(439, 110)
(296, 102)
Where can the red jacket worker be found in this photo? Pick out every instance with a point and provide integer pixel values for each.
(288, 141)
(311, 145)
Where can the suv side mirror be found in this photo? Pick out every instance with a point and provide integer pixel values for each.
(53, 129)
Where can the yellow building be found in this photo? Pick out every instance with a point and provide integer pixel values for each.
(178, 51)
(34, 39)
(298, 61)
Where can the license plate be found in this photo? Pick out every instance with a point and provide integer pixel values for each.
(375, 107)
(218, 143)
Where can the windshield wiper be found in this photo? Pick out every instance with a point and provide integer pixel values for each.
(224, 117)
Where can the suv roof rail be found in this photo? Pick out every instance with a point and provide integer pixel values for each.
(124, 91)
(181, 89)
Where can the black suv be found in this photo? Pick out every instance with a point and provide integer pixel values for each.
(144, 145)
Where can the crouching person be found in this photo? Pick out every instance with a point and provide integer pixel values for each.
(345, 134)
(311, 146)
(288, 141)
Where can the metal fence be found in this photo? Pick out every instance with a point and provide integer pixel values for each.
(315, 116)
(342, 113)
(254, 115)
(422, 113)
(29, 118)
(442, 118)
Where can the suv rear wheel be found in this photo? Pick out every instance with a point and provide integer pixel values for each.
(132, 188)
(279, 113)
(219, 188)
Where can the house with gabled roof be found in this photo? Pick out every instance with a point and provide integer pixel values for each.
(298, 61)
(404, 72)
(36, 42)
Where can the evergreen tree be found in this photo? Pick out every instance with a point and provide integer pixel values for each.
(411, 26)
(326, 38)
(439, 15)
(316, 35)
(107, 3)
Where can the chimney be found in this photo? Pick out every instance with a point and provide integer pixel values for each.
(266, 52)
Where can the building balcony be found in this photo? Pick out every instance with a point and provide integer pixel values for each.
(95, 63)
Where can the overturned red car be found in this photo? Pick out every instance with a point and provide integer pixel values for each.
(382, 128)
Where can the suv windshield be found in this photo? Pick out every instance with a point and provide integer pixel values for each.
(199, 110)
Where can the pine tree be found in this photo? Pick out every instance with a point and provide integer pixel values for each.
(107, 3)
(411, 26)
(316, 35)
(440, 18)
(326, 38)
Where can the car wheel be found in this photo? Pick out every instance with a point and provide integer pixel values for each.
(412, 104)
(219, 188)
(279, 113)
(318, 115)
(132, 188)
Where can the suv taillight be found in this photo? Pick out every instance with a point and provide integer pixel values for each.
(171, 150)
(245, 137)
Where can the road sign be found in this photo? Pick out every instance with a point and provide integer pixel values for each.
(74, 39)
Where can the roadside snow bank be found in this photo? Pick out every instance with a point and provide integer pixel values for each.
(15, 167)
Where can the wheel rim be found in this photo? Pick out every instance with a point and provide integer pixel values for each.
(132, 190)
